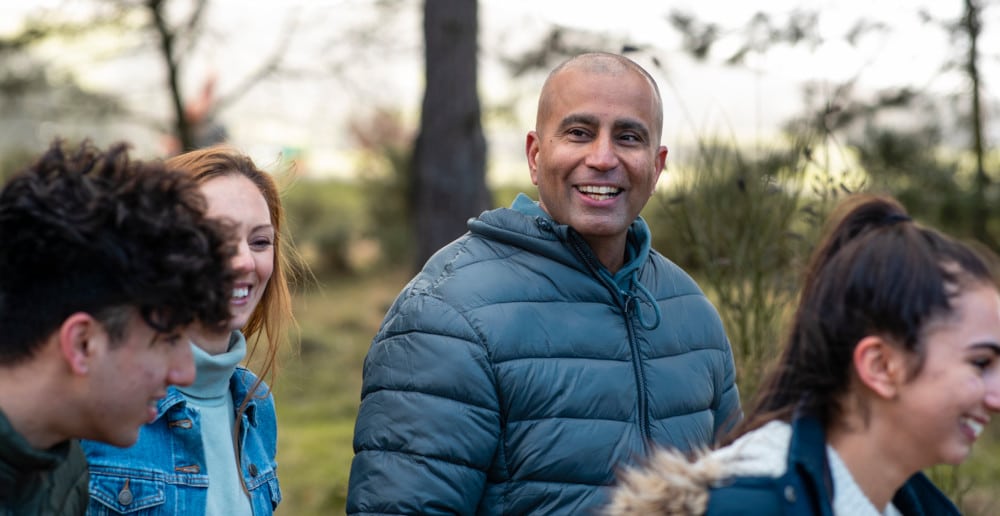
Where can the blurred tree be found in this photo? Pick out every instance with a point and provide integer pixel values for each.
(743, 225)
(903, 157)
(385, 144)
(449, 157)
(556, 45)
(175, 26)
(33, 94)
(844, 111)
(970, 29)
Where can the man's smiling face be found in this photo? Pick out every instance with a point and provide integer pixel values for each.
(595, 155)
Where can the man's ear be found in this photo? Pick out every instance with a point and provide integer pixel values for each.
(78, 336)
(659, 163)
(531, 151)
(880, 366)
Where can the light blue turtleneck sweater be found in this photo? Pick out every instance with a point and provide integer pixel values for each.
(209, 394)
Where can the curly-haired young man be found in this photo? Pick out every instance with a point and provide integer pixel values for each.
(104, 262)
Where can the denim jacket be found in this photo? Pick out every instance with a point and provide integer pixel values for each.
(162, 472)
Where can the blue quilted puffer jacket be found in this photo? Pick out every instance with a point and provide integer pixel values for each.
(516, 375)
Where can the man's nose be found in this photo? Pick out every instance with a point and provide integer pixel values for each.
(602, 154)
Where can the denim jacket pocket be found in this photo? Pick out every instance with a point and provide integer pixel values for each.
(124, 494)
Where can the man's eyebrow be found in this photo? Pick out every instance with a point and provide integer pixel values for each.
(633, 125)
(578, 118)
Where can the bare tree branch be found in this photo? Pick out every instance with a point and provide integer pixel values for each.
(270, 66)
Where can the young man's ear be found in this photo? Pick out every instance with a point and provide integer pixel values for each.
(78, 336)
(880, 366)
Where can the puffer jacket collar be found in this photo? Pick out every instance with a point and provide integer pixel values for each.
(534, 232)
(526, 225)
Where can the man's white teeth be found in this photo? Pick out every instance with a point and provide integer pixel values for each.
(600, 193)
(976, 426)
(241, 292)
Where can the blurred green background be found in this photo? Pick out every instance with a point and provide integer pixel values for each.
(772, 113)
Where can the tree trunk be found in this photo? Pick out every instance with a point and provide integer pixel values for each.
(182, 127)
(449, 158)
(980, 211)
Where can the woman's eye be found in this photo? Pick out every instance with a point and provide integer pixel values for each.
(260, 243)
(982, 363)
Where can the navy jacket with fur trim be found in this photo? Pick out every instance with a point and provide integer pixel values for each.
(672, 486)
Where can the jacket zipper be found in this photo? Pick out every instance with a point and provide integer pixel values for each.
(625, 302)
(640, 377)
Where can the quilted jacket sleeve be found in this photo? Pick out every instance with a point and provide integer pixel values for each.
(727, 407)
(428, 425)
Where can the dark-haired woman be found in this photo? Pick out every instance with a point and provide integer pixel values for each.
(892, 365)
(211, 448)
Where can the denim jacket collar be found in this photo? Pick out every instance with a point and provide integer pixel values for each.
(239, 385)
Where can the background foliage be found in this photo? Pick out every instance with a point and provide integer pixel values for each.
(740, 216)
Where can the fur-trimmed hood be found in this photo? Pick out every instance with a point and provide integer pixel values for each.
(672, 484)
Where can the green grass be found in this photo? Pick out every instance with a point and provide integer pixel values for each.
(318, 390)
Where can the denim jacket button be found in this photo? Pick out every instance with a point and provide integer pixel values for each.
(790, 494)
(125, 495)
(253, 470)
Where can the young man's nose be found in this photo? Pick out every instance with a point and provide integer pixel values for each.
(181, 371)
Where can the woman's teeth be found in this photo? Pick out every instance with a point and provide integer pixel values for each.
(975, 426)
(241, 292)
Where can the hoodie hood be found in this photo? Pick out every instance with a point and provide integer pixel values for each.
(525, 224)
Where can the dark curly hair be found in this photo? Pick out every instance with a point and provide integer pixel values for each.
(91, 231)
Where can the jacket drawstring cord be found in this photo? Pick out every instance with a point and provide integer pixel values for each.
(648, 298)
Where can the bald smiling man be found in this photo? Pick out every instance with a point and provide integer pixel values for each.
(549, 346)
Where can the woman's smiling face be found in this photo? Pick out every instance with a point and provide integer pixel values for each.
(236, 199)
(943, 409)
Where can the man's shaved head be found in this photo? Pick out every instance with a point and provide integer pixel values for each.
(600, 63)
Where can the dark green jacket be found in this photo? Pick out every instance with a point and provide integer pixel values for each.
(36, 482)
